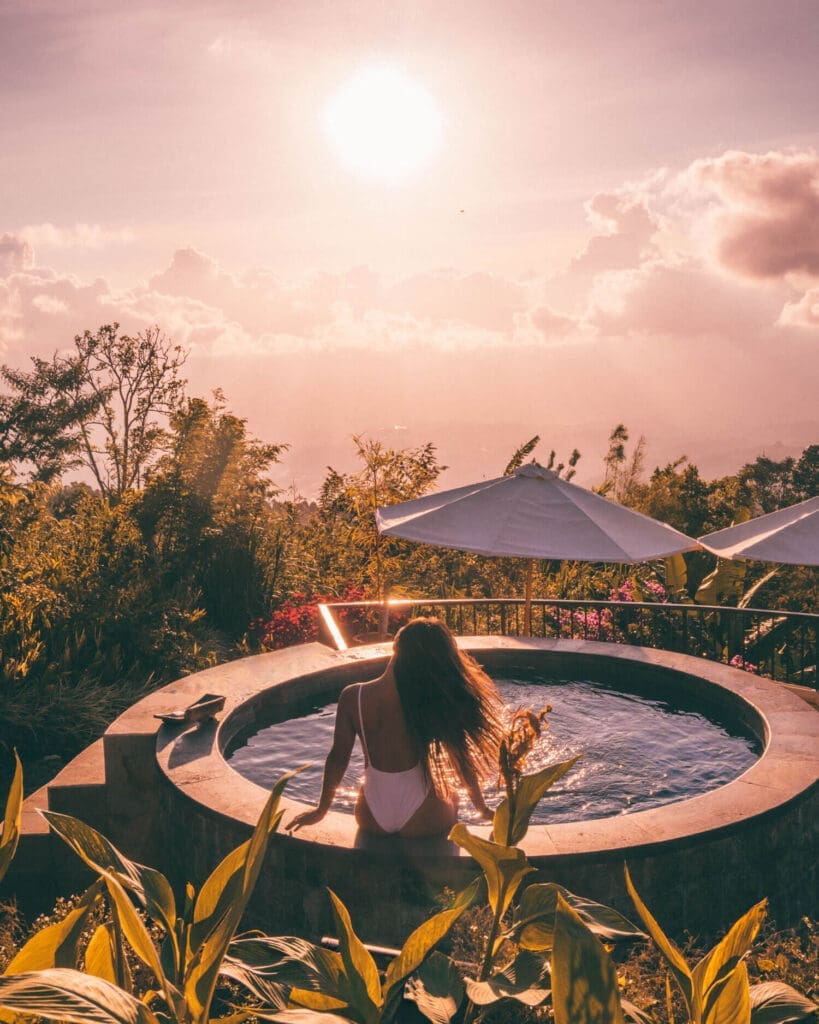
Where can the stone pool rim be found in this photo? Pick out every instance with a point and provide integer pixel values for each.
(193, 764)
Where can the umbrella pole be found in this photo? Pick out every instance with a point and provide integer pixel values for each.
(527, 595)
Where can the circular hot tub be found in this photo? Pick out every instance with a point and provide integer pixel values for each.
(698, 862)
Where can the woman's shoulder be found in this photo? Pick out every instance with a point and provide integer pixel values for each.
(349, 695)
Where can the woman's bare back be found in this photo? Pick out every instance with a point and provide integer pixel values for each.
(389, 746)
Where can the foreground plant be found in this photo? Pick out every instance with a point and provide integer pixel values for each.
(544, 943)
(717, 989)
(530, 925)
(12, 819)
(325, 985)
(44, 978)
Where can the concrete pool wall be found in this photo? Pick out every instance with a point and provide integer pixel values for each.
(171, 800)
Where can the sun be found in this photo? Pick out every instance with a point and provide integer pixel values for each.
(383, 124)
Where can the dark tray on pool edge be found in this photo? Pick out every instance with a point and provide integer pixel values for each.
(203, 708)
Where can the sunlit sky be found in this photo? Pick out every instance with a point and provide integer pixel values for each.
(459, 222)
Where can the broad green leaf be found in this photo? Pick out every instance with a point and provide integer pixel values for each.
(269, 994)
(425, 938)
(724, 956)
(675, 959)
(523, 980)
(205, 965)
(139, 939)
(290, 961)
(12, 818)
(151, 887)
(584, 981)
(100, 956)
(774, 1002)
(220, 889)
(316, 1000)
(749, 595)
(227, 881)
(534, 917)
(56, 945)
(731, 1002)
(437, 989)
(504, 867)
(676, 573)
(270, 967)
(68, 995)
(361, 972)
(531, 790)
(725, 581)
(206, 961)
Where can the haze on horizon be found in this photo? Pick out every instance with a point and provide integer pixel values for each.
(456, 223)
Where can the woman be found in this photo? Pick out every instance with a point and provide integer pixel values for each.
(431, 721)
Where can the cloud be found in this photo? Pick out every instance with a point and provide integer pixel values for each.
(767, 225)
(41, 310)
(648, 270)
(804, 312)
(481, 300)
(625, 231)
(263, 303)
(82, 236)
(712, 252)
(256, 299)
(15, 254)
(551, 324)
(49, 304)
(217, 313)
(680, 301)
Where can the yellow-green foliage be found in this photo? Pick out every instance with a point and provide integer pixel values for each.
(543, 944)
(10, 836)
(53, 977)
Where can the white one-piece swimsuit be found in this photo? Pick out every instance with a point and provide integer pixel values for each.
(393, 797)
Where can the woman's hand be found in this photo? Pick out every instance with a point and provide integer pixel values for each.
(481, 806)
(486, 812)
(305, 818)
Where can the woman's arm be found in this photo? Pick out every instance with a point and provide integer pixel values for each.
(337, 760)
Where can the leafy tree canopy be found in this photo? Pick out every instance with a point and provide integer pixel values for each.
(100, 405)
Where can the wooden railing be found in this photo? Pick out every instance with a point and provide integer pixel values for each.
(778, 644)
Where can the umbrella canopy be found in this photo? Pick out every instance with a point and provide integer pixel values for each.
(790, 536)
(532, 514)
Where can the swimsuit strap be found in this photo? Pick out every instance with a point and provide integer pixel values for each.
(361, 724)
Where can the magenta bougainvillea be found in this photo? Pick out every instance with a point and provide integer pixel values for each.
(295, 621)
(739, 662)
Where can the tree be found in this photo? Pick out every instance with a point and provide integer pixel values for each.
(41, 423)
(622, 479)
(206, 512)
(529, 446)
(806, 473)
(773, 485)
(677, 495)
(350, 547)
(101, 406)
(770, 483)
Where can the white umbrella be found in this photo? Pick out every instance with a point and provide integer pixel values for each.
(532, 514)
(789, 535)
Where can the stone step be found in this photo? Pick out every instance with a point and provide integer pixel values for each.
(80, 790)
(33, 863)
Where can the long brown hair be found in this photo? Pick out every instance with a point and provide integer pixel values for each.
(452, 710)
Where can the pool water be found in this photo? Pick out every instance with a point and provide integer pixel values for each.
(637, 752)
